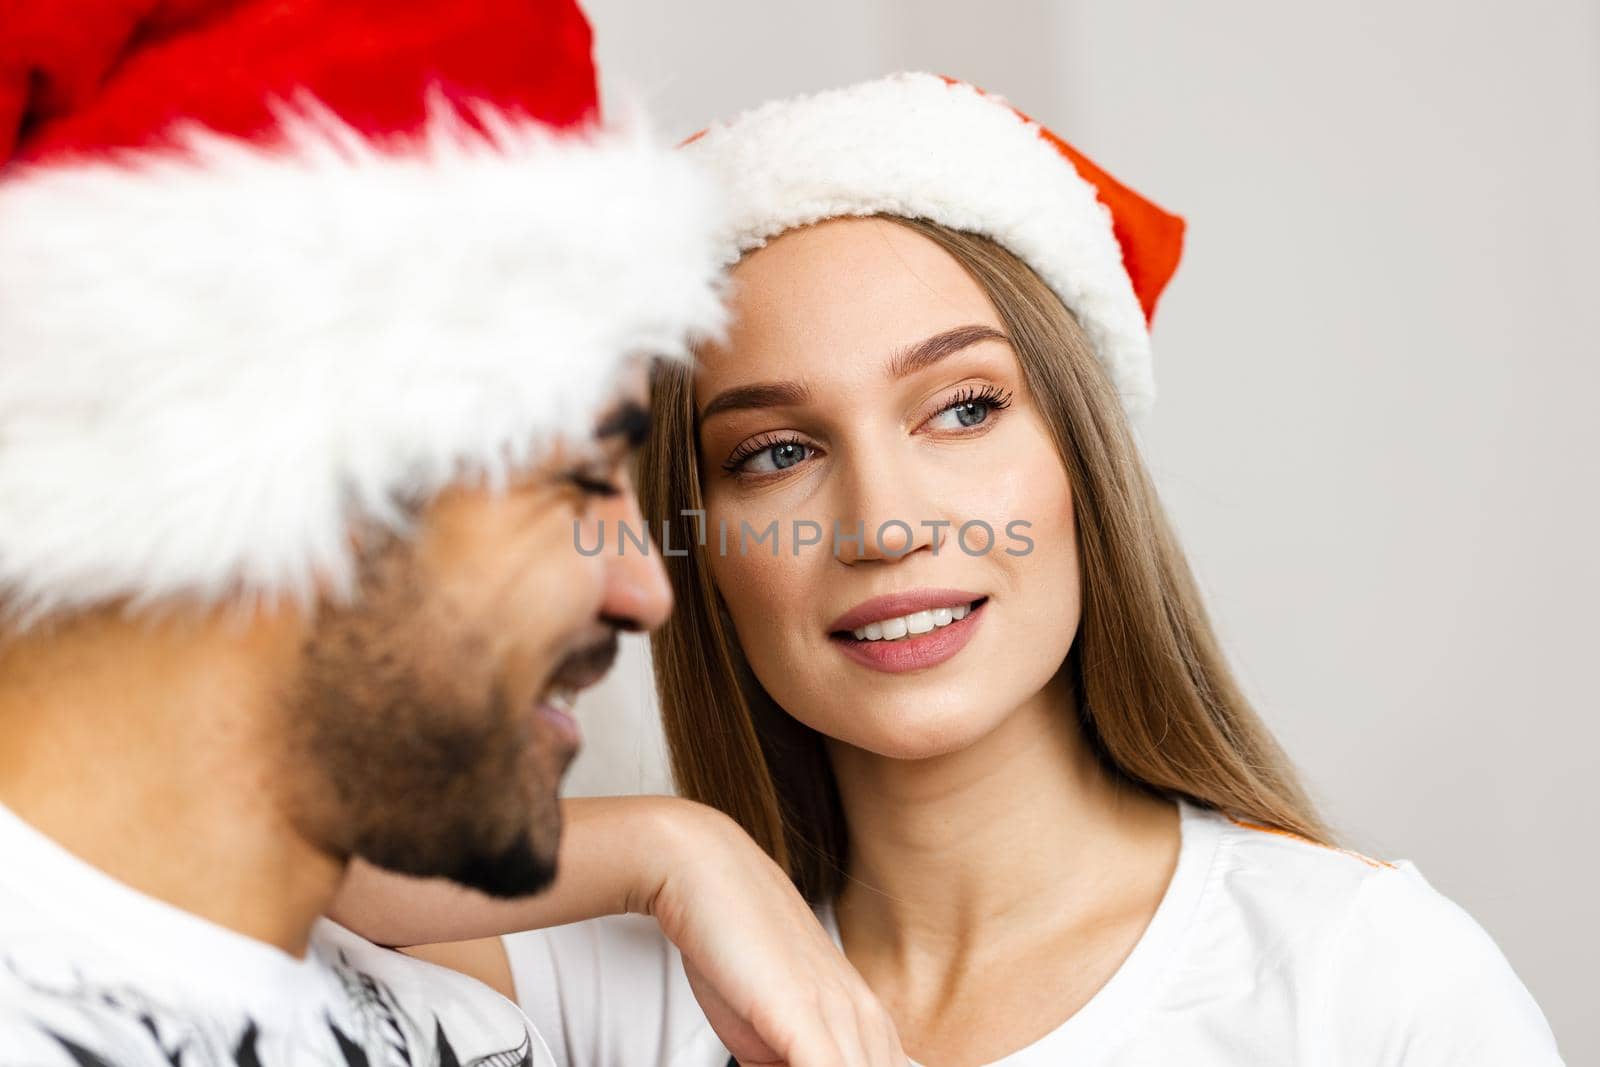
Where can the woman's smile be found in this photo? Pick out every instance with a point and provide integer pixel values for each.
(903, 627)
(909, 631)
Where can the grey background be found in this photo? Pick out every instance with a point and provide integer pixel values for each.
(1377, 368)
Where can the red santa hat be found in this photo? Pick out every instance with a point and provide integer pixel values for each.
(269, 266)
(927, 147)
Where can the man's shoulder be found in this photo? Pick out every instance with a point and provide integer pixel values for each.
(347, 953)
(22, 1039)
(436, 1002)
(41, 1028)
(63, 1009)
(38, 1005)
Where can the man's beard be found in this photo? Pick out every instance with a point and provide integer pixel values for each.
(406, 751)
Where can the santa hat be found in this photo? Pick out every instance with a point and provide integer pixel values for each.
(268, 267)
(927, 147)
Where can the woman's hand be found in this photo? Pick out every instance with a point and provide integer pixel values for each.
(771, 982)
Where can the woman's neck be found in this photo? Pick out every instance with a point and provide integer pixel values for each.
(1021, 834)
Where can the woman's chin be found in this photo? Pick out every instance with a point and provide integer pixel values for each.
(911, 734)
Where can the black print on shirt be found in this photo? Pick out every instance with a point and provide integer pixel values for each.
(245, 1055)
(122, 1019)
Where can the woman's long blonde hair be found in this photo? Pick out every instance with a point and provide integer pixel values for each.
(1154, 696)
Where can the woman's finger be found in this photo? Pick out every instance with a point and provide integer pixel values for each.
(840, 1015)
(882, 1035)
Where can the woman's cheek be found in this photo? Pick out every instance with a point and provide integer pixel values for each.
(1048, 570)
(766, 597)
(1004, 495)
(743, 567)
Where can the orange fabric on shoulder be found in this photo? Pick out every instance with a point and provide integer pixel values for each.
(1245, 824)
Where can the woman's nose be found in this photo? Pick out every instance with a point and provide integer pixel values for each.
(886, 512)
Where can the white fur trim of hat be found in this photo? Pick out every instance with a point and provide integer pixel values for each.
(211, 365)
(926, 147)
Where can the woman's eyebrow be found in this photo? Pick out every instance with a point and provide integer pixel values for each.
(908, 360)
(931, 350)
(760, 395)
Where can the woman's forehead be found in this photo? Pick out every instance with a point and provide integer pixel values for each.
(838, 299)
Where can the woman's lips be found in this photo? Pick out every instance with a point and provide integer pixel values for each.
(885, 607)
(913, 653)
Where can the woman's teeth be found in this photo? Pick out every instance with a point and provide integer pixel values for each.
(918, 622)
(562, 699)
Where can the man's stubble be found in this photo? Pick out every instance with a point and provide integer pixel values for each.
(404, 748)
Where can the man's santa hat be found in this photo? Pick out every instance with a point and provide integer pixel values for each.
(927, 147)
(269, 267)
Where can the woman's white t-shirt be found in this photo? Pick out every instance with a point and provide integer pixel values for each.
(1266, 949)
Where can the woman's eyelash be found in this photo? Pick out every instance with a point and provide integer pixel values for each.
(991, 395)
(754, 447)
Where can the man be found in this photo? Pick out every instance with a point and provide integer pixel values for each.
(228, 764)
(319, 338)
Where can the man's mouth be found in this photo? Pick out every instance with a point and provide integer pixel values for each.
(577, 672)
(556, 708)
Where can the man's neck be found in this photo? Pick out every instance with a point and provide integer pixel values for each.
(154, 752)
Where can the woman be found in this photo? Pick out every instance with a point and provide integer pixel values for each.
(937, 651)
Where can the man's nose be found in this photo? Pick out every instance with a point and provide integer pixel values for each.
(637, 595)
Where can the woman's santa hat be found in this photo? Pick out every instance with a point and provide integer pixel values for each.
(926, 147)
(270, 267)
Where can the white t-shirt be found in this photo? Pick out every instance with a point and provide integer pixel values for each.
(1266, 949)
(95, 974)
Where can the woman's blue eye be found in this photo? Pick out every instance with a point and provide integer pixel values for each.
(776, 457)
(972, 412)
(971, 407)
(967, 413)
(786, 455)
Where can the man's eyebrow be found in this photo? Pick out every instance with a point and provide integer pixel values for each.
(931, 350)
(761, 395)
(630, 421)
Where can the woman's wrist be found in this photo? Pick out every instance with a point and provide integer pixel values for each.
(669, 836)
